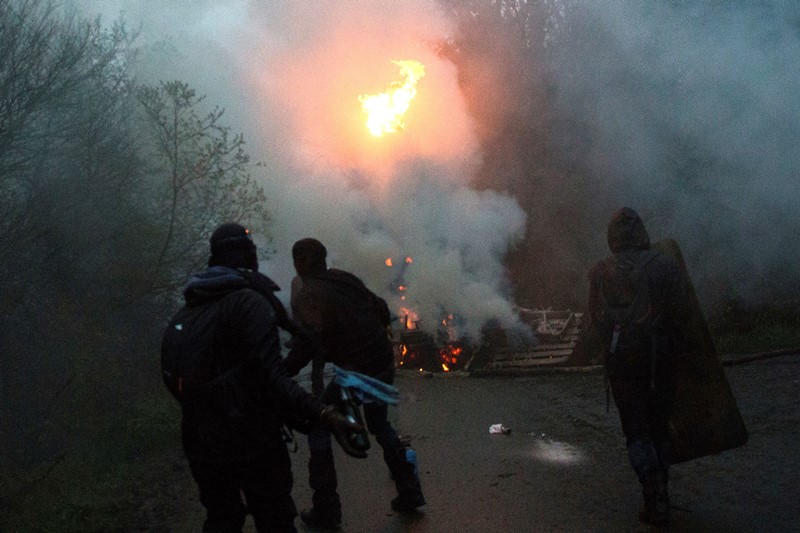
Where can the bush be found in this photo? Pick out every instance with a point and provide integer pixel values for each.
(743, 328)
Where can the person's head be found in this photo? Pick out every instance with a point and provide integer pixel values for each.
(232, 246)
(626, 231)
(309, 257)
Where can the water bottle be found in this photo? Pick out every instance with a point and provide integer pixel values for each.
(411, 457)
(358, 439)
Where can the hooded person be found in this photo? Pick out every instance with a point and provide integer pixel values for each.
(350, 326)
(222, 350)
(637, 303)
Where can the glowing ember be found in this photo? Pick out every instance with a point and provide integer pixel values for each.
(450, 356)
(385, 111)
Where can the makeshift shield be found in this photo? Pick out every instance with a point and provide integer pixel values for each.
(705, 419)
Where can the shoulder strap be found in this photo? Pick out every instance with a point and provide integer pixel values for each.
(266, 288)
(646, 257)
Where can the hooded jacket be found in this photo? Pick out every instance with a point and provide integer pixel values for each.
(241, 417)
(349, 320)
(628, 240)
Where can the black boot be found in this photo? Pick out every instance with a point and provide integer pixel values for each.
(656, 499)
(326, 512)
(406, 481)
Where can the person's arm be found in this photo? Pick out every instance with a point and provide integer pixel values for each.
(254, 329)
(256, 335)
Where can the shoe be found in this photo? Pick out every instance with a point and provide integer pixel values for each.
(403, 504)
(316, 520)
(653, 516)
(656, 506)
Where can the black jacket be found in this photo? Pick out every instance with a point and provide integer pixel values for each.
(242, 416)
(349, 321)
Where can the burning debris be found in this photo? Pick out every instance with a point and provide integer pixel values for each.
(418, 349)
(552, 338)
(558, 341)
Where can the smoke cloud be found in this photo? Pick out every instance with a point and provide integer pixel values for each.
(289, 75)
(683, 110)
(688, 112)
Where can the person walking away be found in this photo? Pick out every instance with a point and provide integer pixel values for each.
(349, 323)
(221, 359)
(637, 303)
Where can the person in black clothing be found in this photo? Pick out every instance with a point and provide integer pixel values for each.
(639, 350)
(350, 324)
(232, 424)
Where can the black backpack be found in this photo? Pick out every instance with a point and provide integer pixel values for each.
(627, 312)
(188, 362)
(187, 350)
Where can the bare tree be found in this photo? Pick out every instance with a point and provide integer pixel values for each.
(202, 174)
(68, 170)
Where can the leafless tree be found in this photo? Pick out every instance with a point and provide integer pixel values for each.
(202, 174)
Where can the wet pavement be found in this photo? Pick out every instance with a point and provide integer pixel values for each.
(563, 466)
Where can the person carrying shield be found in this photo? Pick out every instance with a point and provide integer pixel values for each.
(348, 323)
(638, 303)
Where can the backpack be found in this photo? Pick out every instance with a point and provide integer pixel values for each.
(187, 350)
(188, 361)
(351, 294)
(627, 312)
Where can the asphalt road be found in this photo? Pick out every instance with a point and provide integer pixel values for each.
(563, 466)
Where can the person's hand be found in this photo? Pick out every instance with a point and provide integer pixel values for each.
(342, 428)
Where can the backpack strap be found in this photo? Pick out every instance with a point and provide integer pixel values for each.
(266, 288)
(611, 264)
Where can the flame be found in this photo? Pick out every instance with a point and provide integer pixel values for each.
(403, 352)
(385, 111)
(450, 356)
(410, 318)
(388, 262)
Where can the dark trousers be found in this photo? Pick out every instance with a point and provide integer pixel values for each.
(322, 471)
(644, 411)
(261, 487)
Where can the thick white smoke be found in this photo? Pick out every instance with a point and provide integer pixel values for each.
(288, 75)
(688, 111)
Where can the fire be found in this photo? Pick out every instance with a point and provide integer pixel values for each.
(386, 111)
(410, 318)
(450, 356)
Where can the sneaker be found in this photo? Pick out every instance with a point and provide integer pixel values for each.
(403, 504)
(316, 520)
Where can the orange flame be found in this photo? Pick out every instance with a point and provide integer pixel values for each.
(410, 318)
(386, 111)
(450, 356)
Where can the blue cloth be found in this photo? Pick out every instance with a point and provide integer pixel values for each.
(366, 388)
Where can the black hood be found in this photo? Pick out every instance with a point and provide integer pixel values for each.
(626, 232)
(218, 281)
(213, 283)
